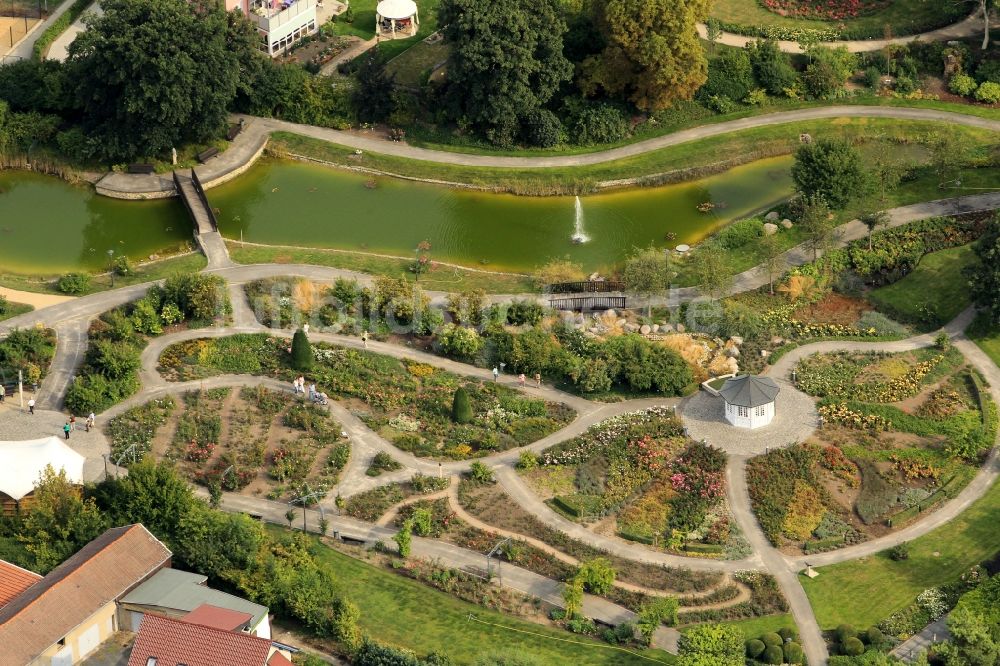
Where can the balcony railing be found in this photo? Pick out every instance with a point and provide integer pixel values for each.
(270, 18)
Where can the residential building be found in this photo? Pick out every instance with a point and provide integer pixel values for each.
(14, 581)
(163, 641)
(179, 594)
(280, 23)
(64, 616)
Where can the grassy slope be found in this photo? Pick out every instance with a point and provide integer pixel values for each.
(987, 337)
(937, 281)
(406, 613)
(842, 593)
(188, 263)
(711, 151)
(15, 309)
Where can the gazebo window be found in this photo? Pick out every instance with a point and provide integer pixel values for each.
(742, 411)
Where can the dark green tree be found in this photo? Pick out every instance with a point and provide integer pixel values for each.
(461, 410)
(506, 62)
(373, 91)
(302, 353)
(832, 169)
(772, 68)
(984, 277)
(818, 224)
(152, 74)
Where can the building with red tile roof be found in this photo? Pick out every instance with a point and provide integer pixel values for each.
(162, 641)
(219, 618)
(67, 614)
(13, 581)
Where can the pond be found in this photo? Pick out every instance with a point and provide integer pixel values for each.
(296, 203)
(49, 226)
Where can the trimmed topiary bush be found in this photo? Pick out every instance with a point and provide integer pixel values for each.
(773, 655)
(787, 634)
(461, 410)
(873, 636)
(853, 647)
(302, 354)
(988, 93)
(962, 84)
(794, 653)
(844, 632)
(73, 283)
(770, 639)
(755, 648)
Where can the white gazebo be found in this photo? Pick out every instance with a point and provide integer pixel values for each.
(749, 400)
(22, 463)
(390, 14)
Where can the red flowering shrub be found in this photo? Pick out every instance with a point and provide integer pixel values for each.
(199, 453)
(825, 10)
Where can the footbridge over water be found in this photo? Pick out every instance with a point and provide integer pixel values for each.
(206, 227)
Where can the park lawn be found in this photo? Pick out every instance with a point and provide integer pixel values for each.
(754, 627)
(14, 309)
(905, 17)
(843, 593)
(936, 283)
(987, 336)
(726, 150)
(191, 262)
(412, 66)
(363, 26)
(406, 613)
(443, 278)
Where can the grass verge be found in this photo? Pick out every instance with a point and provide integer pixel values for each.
(157, 270)
(935, 290)
(406, 613)
(987, 336)
(14, 309)
(442, 278)
(842, 593)
(754, 627)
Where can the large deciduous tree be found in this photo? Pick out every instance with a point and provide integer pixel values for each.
(653, 56)
(153, 74)
(984, 278)
(831, 169)
(648, 273)
(506, 62)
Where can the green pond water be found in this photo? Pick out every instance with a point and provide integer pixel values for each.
(49, 226)
(295, 203)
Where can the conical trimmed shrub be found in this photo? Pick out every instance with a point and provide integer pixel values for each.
(302, 353)
(461, 410)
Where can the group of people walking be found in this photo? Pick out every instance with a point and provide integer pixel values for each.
(299, 386)
(71, 423)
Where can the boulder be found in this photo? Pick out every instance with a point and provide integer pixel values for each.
(786, 223)
(655, 328)
(621, 321)
(679, 328)
(666, 328)
(733, 365)
(736, 340)
(645, 329)
(764, 353)
(732, 352)
(772, 216)
(631, 328)
(776, 341)
(770, 229)
(610, 314)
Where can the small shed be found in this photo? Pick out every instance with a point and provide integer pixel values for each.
(749, 400)
(393, 15)
(22, 463)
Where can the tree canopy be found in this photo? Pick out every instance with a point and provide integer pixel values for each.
(831, 169)
(653, 55)
(152, 74)
(506, 63)
(984, 278)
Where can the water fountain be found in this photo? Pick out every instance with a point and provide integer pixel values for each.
(578, 234)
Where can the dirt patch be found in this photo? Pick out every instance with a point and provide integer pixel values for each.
(833, 308)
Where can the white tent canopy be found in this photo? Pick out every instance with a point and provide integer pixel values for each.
(22, 463)
(390, 13)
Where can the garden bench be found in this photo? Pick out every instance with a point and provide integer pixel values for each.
(234, 131)
(141, 168)
(207, 154)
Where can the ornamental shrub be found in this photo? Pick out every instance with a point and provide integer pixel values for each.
(962, 84)
(480, 473)
(845, 631)
(461, 409)
(773, 654)
(543, 129)
(600, 123)
(794, 653)
(853, 647)
(302, 354)
(755, 648)
(73, 283)
(771, 639)
(899, 552)
(404, 538)
(771, 68)
(740, 233)
(525, 312)
(527, 460)
(988, 70)
(597, 575)
(787, 634)
(459, 342)
(874, 637)
(988, 92)
(729, 75)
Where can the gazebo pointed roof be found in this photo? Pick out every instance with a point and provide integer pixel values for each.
(21, 464)
(396, 9)
(749, 391)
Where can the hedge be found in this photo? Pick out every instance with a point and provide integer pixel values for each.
(638, 538)
(58, 27)
(980, 391)
(824, 544)
(711, 548)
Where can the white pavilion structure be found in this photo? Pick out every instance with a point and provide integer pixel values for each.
(391, 15)
(22, 463)
(749, 400)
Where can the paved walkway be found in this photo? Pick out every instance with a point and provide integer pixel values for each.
(970, 27)
(58, 50)
(248, 145)
(22, 49)
(912, 647)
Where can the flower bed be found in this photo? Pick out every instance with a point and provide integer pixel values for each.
(410, 404)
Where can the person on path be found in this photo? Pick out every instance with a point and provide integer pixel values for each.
(520, 379)
(295, 386)
(538, 380)
(312, 391)
(66, 429)
(31, 406)
(72, 422)
(91, 420)
(3, 393)
(364, 339)
(496, 374)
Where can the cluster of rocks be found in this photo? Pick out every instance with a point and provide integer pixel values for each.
(771, 223)
(726, 359)
(611, 321)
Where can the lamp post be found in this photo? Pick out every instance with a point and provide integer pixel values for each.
(304, 498)
(111, 266)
